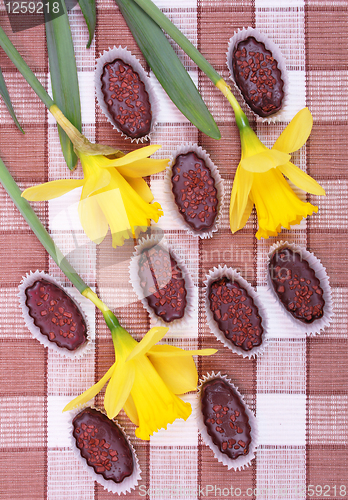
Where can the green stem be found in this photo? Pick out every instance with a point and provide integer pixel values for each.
(40, 232)
(157, 15)
(24, 69)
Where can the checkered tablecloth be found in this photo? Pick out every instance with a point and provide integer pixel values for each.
(298, 387)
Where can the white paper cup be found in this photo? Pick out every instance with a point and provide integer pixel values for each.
(244, 460)
(28, 281)
(170, 206)
(234, 276)
(109, 56)
(320, 272)
(129, 483)
(241, 35)
(191, 291)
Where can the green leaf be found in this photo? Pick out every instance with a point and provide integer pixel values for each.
(64, 80)
(6, 97)
(167, 67)
(89, 13)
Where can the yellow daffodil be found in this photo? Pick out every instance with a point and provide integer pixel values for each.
(145, 380)
(260, 181)
(114, 193)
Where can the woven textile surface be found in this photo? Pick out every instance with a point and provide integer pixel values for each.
(298, 387)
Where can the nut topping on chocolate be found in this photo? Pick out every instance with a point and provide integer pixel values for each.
(225, 418)
(194, 191)
(103, 445)
(163, 283)
(235, 313)
(126, 98)
(258, 77)
(296, 285)
(56, 314)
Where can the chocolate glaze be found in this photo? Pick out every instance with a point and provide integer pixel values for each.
(162, 281)
(194, 191)
(225, 418)
(235, 313)
(296, 285)
(56, 315)
(103, 445)
(126, 98)
(257, 75)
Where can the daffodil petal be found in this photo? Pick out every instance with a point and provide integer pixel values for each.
(264, 161)
(137, 154)
(51, 190)
(140, 186)
(91, 392)
(240, 204)
(143, 168)
(96, 182)
(92, 218)
(301, 179)
(151, 338)
(119, 388)
(296, 133)
(131, 411)
(179, 373)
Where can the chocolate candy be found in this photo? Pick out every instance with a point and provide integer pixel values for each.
(126, 98)
(235, 313)
(194, 191)
(56, 314)
(258, 77)
(296, 285)
(163, 283)
(225, 418)
(103, 445)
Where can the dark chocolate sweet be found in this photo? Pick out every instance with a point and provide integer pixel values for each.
(194, 191)
(225, 418)
(235, 313)
(103, 445)
(296, 285)
(56, 314)
(126, 98)
(163, 283)
(258, 77)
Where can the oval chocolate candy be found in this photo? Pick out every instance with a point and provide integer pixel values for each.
(56, 314)
(163, 283)
(126, 98)
(296, 285)
(258, 77)
(235, 313)
(103, 445)
(225, 418)
(194, 191)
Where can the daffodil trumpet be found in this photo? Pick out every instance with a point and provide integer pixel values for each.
(146, 378)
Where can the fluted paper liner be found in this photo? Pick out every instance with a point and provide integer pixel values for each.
(244, 33)
(127, 57)
(242, 461)
(129, 483)
(171, 207)
(320, 272)
(191, 291)
(234, 276)
(28, 281)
